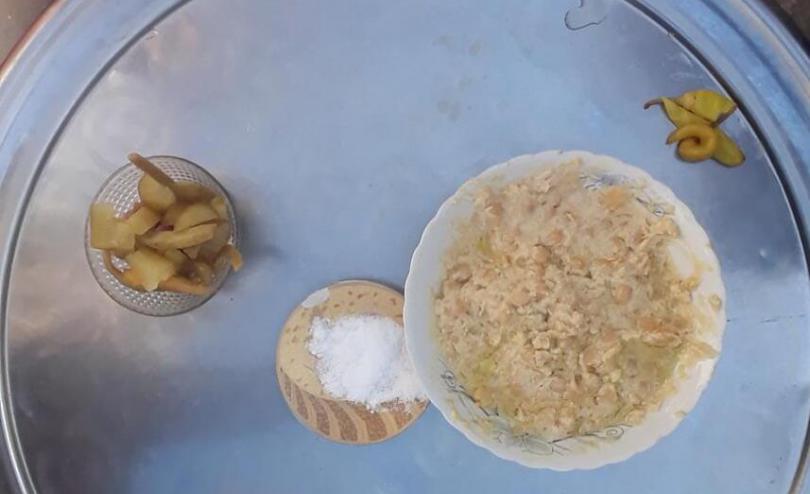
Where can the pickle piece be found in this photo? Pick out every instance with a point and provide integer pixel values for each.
(728, 153)
(696, 142)
(677, 114)
(708, 104)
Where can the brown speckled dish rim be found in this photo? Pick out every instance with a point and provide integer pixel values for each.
(418, 408)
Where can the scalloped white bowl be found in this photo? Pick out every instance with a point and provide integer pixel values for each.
(492, 432)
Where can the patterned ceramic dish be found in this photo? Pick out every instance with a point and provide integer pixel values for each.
(338, 420)
(484, 427)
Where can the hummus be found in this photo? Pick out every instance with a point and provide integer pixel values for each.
(561, 308)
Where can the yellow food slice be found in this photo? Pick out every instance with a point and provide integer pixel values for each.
(195, 214)
(204, 272)
(179, 240)
(176, 257)
(131, 279)
(233, 255)
(192, 252)
(142, 220)
(107, 231)
(150, 267)
(727, 152)
(210, 249)
(192, 192)
(221, 207)
(171, 214)
(708, 104)
(697, 142)
(127, 278)
(154, 194)
(151, 169)
(677, 114)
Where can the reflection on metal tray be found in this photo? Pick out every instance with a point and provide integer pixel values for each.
(338, 128)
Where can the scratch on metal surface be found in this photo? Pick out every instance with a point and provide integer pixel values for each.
(769, 320)
(782, 318)
(589, 13)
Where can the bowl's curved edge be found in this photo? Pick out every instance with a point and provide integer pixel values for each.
(588, 462)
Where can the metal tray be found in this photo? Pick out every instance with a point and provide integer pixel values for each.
(338, 127)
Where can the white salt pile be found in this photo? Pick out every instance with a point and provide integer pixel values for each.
(363, 359)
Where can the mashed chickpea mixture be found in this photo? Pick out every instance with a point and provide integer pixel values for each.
(561, 308)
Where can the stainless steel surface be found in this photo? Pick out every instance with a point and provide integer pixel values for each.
(338, 127)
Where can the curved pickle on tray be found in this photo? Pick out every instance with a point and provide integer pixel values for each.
(702, 111)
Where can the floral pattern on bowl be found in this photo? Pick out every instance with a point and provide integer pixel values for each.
(485, 427)
(467, 410)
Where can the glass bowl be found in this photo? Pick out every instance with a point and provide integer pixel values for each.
(121, 190)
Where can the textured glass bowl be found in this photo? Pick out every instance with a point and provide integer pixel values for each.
(121, 190)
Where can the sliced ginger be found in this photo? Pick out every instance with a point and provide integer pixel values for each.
(172, 239)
